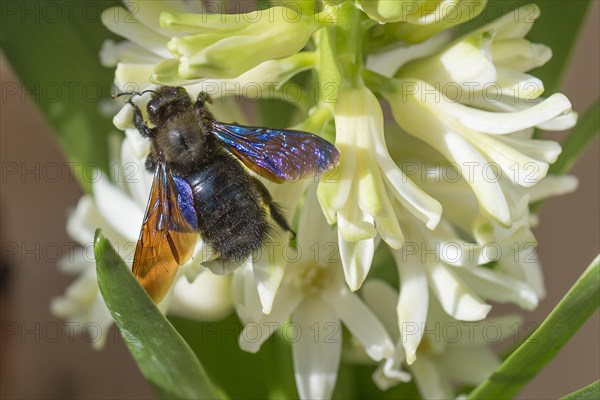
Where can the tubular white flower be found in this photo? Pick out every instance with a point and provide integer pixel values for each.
(494, 263)
(423, 19)
(312, 292)
(463, 136)
(441, 361)
(487, 63)
(357, 195)
(225, 45)
(472, 102)
(146, 56)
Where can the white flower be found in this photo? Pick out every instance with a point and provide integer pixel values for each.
(118, 209)
(146, 56)
(450, 352)
(356, 196)
(422, 19)
(227, 45)
(473, 103)
(469, 256)
(314, 295)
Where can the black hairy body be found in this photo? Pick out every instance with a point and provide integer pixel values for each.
(232, 207)
(231, 214)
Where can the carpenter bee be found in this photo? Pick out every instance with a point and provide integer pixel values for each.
(200, 186)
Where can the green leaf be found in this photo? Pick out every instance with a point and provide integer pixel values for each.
(160, 352)
(574, 309)
(589, 392)
(53, 48)
(267, 374)
(582, 135)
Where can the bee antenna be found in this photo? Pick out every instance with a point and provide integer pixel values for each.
(147, 91)
(133, 93)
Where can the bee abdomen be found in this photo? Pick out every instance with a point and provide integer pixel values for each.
(231, 217)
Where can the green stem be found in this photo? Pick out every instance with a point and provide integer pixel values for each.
(350, 33)
(328, 68)
(378, 83)
(319, 116)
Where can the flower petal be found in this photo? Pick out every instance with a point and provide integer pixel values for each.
(502, 123)
(456, 298)
(316, 362)
(552, 185)
(115, 19)
(382, 299)
(268, 278)
(412, 306)
(544, 150)
(361, 322)
(497, 287)
(353, 223)
(134, 77)
(119, 210)
(356, 260)
(488, 192)
(432, 381)
(387, 63)
(245, 295)
(313, 229)
(466, 63)
(208, 298)
(390, 373)
(419, 203)
(112, 54)
(149, 12)
(134, 173)
(520, 54)
(469, 365)
(256, 333)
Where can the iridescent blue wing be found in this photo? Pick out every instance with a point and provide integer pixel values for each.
(168, 235)
(277, 154)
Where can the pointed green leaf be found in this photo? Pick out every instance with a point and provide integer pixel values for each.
(520, 367)
(162, 355)
(589, 392)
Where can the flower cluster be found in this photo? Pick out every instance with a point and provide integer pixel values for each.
(445, 187)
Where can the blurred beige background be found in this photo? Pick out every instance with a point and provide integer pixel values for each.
(35, 212)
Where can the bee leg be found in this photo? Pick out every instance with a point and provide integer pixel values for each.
(138, 122)
(202, 99)
(274, 208)
(152, 159)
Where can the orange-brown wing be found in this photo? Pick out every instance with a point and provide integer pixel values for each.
(168, 235)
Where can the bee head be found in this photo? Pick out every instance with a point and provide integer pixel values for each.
(167, 101)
